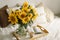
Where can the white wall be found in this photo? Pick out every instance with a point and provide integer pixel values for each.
(54, 5)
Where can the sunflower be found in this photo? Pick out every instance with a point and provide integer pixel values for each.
(25, 20)
(25, 4)
(12, 18)
(17, 12)
(34, 17)
(31, 7)
(22, 15)
(30, 15)
(34, 10)
(25, 9)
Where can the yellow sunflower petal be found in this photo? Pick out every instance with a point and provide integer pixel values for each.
(26, 9)
(30, 15)
(34, 17)
(12, 18)
(17, 12)
(25, 20)
(31, 7)
(25, 4)
(22, 15)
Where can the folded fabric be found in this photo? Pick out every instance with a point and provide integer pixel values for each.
(49, 14)
(41, 15)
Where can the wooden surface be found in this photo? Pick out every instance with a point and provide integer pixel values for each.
(38, 36)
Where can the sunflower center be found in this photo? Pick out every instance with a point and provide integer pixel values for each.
(25, 5)
(23, 15)
(26, 19)
(12, 18)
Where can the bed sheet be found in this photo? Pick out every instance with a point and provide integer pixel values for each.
(53, 29)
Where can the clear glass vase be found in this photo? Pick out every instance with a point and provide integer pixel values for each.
(21, 31)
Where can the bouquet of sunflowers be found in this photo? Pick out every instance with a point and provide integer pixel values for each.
(24, 16)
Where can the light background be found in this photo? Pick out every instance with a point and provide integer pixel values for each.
(54, 5)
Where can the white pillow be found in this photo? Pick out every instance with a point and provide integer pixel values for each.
(40, 10)
(49, 15)
(41, 19)
(13, 9)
